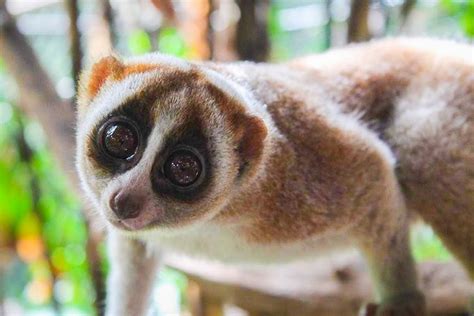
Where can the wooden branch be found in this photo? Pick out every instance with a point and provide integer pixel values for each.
(194, 25)
(328, 26)
(108, 18)
(405, 12)
(222, 39)
(26, 155)
(252, 42)
(166, 8)
(358, 27)
(210, 30)
(406, 9)
(332, 286)
(95, 268)
(75, 40)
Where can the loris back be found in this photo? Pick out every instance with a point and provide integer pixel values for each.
(414, 95)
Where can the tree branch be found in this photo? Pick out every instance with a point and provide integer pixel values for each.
(252, 42)
(26, 155)
(210, 30)
(338, 285)
(108, 17)
(328, 26)
(405, 10)
(358, 28)
(75, 40)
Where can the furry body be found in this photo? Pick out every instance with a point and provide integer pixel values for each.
(305, 156)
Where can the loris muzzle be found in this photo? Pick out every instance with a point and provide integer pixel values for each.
(274, 162)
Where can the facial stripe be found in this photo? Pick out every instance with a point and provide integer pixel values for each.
(190, 134)
(248, 131)
(140, 109)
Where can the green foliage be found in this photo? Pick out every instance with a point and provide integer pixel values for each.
(176, 279)
(427, 246)
(53, 228)
(463, 11)
(139, 42)
(170, 41)
(302, 40)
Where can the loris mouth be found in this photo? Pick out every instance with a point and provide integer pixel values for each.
(131, 225)
(143, 221)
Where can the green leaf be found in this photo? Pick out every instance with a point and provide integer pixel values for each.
(467, 22)
(171, 42)
(427, 246)
(450, 6)
(139, 42)
(467, 19)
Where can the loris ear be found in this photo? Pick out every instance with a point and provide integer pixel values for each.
(251, 132)
(107, 68)
(91, 81)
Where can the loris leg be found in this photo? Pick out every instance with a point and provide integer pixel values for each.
(132, 272)
(383, 239)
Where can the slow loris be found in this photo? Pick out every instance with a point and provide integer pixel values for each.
(273, 162)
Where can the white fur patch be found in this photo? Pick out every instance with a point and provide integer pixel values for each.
(245, 97)
(213, 241)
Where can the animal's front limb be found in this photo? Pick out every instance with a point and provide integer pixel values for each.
(131, 277)
(385, 245)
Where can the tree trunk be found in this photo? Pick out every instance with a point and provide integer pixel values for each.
(405, 11)
(108, 17)
(252, 42)
(75, 40)
(358, 28)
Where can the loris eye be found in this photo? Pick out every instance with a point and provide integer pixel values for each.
(120, 139)
(183, 167)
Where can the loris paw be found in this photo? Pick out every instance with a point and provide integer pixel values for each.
(403, 305)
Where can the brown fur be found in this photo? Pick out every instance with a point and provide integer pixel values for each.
(440, 188)
(248, 131)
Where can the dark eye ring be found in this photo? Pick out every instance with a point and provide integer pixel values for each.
(184, 167)
(119, 138)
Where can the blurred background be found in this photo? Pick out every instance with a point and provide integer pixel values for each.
(52, 257)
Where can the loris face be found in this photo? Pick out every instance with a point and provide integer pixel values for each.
(163, 143)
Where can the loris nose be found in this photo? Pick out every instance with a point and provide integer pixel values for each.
(125, 205)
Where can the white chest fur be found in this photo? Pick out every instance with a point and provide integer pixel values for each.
(228, 245)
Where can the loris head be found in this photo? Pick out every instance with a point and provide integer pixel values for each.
(163, 143)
